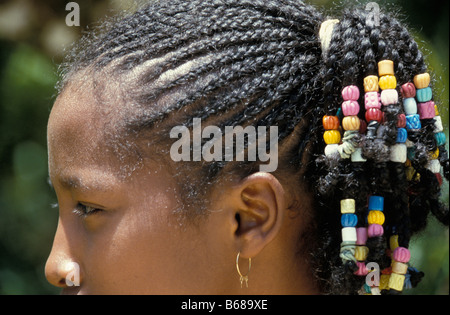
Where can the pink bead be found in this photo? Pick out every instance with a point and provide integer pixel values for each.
(401, 254)
(350, 93)
(389, 97)
(362, 270)
(426, 110)
(372, 100)
(361, 236)
(375, 230)
(350, 108)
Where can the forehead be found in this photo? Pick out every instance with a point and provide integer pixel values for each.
(83, 131)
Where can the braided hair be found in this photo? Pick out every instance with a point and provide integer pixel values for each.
(260, 63)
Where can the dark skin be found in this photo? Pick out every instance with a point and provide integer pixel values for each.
(131, 242)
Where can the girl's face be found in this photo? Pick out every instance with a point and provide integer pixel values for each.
(121, 231)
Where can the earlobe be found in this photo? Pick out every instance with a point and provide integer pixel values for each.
(259, 212)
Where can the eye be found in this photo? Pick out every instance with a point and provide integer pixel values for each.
(84, 210)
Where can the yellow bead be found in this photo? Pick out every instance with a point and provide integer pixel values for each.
(375, 217)
(332, 136)
(393, 242)
(387, 82)
(422, 81)
(399, 268)
(351, 123)
(434, 154)
(384, 282)
(385, 67)
(436, 111)
(361, 253)
(371, 83)
(396, 281)
(347, 206)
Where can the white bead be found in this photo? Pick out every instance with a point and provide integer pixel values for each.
(409, 143)
(357, 156)
(349, 234)
(434, 166)
(389, 97)
(398, 153)
(438, 127)
(410, 106)
(375, 290)
(330, 149)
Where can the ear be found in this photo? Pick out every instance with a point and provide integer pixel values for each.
(259, 205)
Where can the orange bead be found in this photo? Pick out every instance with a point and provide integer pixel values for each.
(351, 123)
(330, 122)
(332, 136)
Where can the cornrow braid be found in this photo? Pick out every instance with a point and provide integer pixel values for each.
(260, 63)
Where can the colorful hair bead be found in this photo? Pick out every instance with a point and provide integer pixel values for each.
(424, 95)
(349, 220)
(401, 254)
(350, 108)
(362, 270)
(440, 138)
(393, 242)
(438, 127)
(350, 93)
(376, 203)
(402, 135)
(422, 81)
(347, 206)
(332, 136)
(371, 83)
(372, 100)
(348, 234)
(387, 82)
(413, 122)
(351, 123)
(426, 110)
(385, 67)
(361, 236)
(389, 97)
(410, 106)
(396, 281)
(375, 230)
(434, 166)
(401, 121)
(331, 149)
(408, 90)
(374, 114)
(399, 268)
(375, 217)
(330, 122)
(398, 152)
(361, 253)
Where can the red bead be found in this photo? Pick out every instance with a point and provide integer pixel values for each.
(439, 178)
(362, 127)
(408, 90)
(374, 114)
(401, 121)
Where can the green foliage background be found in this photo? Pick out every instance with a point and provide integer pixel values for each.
(32, 36)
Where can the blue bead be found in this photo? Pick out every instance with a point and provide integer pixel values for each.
(413, 122)
(402, 134)
(376, 203)
(349, 220)
(440, 138)
(424, 95)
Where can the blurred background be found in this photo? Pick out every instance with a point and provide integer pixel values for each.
(33, 38)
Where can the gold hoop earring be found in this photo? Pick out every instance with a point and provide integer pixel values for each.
(241, 277)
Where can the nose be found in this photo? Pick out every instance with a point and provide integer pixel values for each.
(61, 270)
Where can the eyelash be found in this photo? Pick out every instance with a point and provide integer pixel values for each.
(84, 211)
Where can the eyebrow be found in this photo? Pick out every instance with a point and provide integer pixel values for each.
(102, 182)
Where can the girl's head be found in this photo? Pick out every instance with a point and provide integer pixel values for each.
(151, 201)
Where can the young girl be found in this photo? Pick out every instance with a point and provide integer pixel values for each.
(158, 147)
